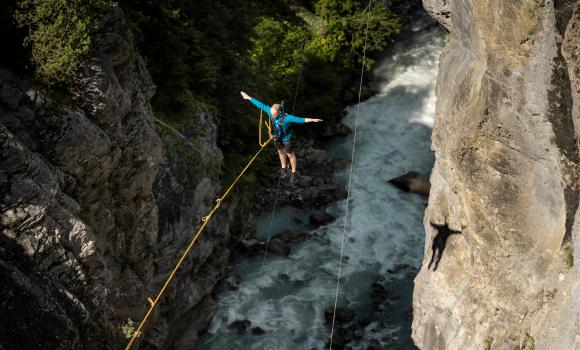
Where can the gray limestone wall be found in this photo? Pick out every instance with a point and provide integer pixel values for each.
(502, 215)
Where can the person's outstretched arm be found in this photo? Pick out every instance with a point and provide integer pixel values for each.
(256, 103)
(293, 119)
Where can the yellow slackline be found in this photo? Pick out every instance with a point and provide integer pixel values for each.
(205, 220)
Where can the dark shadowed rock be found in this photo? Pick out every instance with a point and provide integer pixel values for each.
(293, 236)
(340, 163)
(339, 194)
(375, 345)
(380, 294)
(339, 129)
(258, 331)
(252, 245)
(342, 129)
(240, 326)
(342, 315)
(279, 247)
(321, 218)
(399, 267)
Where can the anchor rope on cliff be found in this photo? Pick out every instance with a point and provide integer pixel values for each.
(205, 220)
(344, 227)
(180, 135)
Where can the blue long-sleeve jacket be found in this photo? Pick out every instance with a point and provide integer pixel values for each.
(288, 120)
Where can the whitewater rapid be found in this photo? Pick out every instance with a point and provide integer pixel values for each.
(287, 297)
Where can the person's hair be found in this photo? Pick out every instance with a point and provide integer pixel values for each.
(276, 107)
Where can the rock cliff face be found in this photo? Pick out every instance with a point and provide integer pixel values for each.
(95, 207)
(503, 209)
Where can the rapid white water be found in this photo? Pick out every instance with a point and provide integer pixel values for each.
(288, 296)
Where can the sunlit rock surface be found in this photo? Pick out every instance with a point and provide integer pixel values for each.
(504, 198)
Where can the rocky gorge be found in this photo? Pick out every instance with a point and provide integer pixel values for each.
(502, 220)
(99, 197)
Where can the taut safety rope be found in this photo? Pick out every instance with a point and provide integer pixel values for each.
(349, 179)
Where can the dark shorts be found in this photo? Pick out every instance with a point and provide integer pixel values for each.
(284, 146)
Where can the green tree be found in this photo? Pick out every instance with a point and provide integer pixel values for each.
(59, 33)
(276, 55)
(341, 39)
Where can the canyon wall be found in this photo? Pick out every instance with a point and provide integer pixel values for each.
(502, 221)
(98, 202)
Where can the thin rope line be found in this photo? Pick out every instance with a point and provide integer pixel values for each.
(299, 76)
(349, 181)
(178, 134)
(271, 221)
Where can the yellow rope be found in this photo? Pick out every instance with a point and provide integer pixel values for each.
(268, 126)
(205, 220)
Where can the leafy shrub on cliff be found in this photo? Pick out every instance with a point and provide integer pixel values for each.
(276, 55)
(59, 33)
(342, 38)
(128, 329)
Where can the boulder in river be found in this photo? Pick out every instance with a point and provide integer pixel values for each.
(240, 326)
(339, 194)
(374, 345)
(293, 236)
(399, 267)
(252, 245)
(321, 218)
(340, 163)
(343, 315)
(279, 247)
(258, 331)
(380, 294)
(412, 182)
(339, 129)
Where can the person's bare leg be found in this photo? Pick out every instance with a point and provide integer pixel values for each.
(282, 156)
(293, 161)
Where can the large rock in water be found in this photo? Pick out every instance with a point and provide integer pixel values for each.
(412, 182)
(503, 206)
(94, 209)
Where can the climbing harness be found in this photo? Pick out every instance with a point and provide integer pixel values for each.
(205, 220)
(349, 179)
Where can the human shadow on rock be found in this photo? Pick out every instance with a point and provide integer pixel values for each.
(439, 244)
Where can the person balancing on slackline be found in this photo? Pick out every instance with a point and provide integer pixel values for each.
(282, 133)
